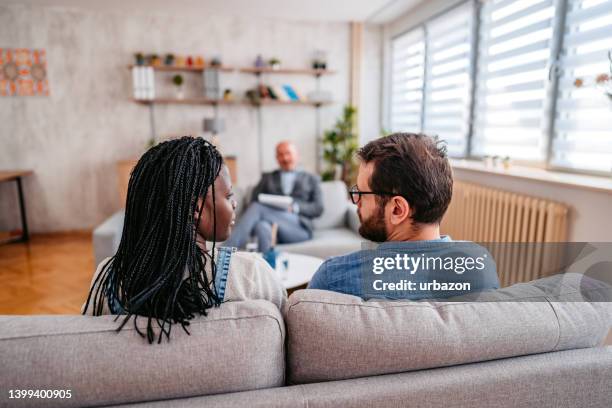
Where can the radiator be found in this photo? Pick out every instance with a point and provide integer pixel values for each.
(487, 215)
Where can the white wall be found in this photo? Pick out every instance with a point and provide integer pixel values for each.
(73, 138)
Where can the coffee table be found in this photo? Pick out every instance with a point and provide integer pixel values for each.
(299, 271)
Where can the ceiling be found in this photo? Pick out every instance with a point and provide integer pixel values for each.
(372, 11)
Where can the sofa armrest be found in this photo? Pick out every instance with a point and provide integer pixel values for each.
(352, 219)
(106, 236)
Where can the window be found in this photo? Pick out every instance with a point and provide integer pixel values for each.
(448, 78)
(540, 78)
(408, 58)
(583, 124)
(514, 49)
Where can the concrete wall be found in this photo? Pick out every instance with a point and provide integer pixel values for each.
(73, 138)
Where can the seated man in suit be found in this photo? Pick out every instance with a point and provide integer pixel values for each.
(404, 186)
(295, 221)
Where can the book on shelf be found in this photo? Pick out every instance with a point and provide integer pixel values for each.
(280, 93)
(212, 86)
(291, 94)
(271, 92)
(143, 82)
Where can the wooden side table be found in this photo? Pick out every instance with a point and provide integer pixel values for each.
(16, 175)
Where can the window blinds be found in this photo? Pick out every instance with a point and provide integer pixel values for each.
(447, 77)
(583, 120)
(408, 58)
(514, 41)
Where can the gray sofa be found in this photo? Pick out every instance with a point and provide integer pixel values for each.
(331, 350)
(335, 231)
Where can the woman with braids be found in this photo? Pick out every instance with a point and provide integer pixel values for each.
(167, 269)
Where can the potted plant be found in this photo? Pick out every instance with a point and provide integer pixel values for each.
(169, 60)
(339, 147)
(177, 80)
(139, 57)
(274, 63)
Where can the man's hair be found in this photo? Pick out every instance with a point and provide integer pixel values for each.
(414, 166)
(159, 270)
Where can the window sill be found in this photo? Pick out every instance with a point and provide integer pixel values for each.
(593, 183)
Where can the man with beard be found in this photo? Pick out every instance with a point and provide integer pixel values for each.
(404, 187)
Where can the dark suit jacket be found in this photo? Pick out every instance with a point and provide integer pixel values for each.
(306, 193)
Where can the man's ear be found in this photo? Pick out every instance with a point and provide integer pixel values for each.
(400, 210)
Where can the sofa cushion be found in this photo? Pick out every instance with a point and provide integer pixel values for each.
(333, 336)
(335, 204)
(238, 346)
(326, 243)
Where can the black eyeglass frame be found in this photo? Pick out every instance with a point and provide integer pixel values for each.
(355, 191)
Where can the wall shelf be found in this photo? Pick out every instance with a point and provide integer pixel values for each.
(167, 68)
(185, 101)
(246, 70)
(258, 72)
(267, 70)
(272, 102)
(203, 101)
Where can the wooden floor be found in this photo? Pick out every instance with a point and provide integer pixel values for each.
(48, 275)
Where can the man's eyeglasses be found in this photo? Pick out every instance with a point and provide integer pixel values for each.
(356, 194)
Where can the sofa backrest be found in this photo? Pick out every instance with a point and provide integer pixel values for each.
(332, 336)
(335, 204)
(238, 346)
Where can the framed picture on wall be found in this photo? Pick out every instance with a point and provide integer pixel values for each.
(23, 72)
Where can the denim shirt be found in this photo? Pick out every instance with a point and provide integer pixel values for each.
(224, 255)
(344, 274)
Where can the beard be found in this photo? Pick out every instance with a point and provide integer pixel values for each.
(374, 227)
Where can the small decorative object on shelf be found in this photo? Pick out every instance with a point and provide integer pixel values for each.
(274, 63)
(169, 60)
(253, 97)
(189, 61)
(179, 61)
(602, 81)
(177, 80)
(215, 62)
(228, 95)
(319, 60)
(259, 62)
(139, 58)
(507, 163)
(154, 60)
(199, 61)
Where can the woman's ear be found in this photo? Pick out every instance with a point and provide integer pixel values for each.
(198, 209)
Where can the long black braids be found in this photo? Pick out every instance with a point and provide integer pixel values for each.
(159, 270)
